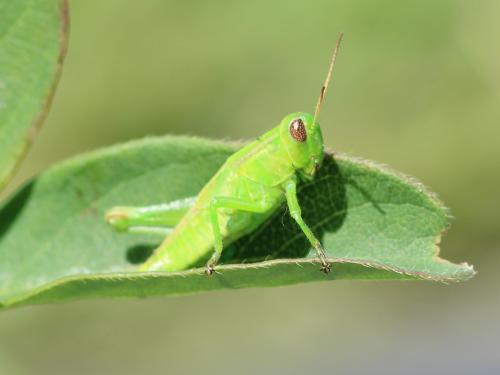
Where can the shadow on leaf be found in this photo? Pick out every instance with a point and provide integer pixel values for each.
(140, 253)
(11, 211)
(324, 207)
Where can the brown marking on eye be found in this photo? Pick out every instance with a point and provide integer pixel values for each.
(298, 130)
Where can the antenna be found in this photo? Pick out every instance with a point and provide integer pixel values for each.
(328, 77)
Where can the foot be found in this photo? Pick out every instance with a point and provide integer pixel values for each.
(326, 268)
(209, 270)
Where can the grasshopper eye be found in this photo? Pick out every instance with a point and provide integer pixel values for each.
(298, 130)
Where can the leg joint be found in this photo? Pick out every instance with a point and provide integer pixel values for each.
(296, 214)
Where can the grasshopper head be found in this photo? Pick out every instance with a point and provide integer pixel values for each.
(301, 137)
(300, 133)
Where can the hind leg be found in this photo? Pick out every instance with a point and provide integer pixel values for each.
(157, 219)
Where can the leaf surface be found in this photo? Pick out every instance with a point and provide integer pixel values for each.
(33, 37)
(55, 245)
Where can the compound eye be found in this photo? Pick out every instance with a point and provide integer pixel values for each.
(298, 130)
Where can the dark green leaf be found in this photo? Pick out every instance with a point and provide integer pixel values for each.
(55, 245)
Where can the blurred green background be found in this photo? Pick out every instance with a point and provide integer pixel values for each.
(417, 86)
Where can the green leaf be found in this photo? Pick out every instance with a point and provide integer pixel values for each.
(55, 245)
(33, 36)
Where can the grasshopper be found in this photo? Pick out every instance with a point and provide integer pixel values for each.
(244, 193)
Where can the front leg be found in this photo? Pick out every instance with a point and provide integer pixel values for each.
(230, 203)
(295, 211)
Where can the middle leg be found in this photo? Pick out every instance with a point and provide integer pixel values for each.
(228, 203)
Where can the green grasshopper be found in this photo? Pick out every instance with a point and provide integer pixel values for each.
(243, 194)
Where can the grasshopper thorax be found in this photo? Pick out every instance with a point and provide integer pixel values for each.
(301, 137)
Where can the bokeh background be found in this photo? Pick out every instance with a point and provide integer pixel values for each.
(417, 87)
